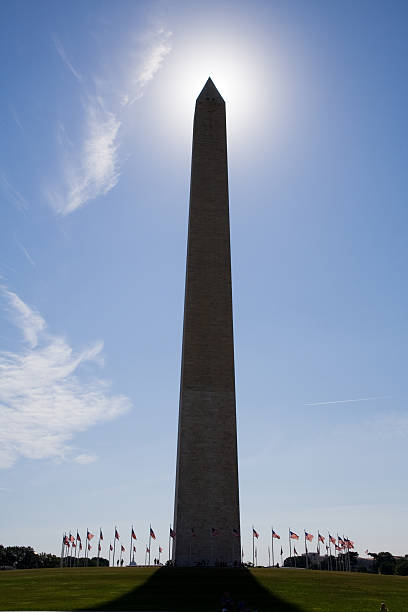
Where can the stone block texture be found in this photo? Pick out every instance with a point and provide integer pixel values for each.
(206, 515)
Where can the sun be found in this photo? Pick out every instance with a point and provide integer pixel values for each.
(236, 70)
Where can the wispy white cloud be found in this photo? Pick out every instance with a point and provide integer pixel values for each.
(44, 401)
(63, 55)
(12, 194)
(156, 46)
(90, 167)
(25, 251)
(95, 170)
(85, 458)
(349, 401)
(27, 320)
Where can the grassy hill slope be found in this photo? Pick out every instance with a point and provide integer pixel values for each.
(199, 590)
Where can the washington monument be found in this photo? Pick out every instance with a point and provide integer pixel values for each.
(206, 510)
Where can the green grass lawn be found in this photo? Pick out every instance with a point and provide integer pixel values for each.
(199, 590)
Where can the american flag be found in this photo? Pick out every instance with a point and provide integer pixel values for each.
(100, 534)
(89, 547)
(133, 535)
(214, 532)
(71, 538)
(116, 534)
(147, 549)
(122, 548)
(78, 538)
(341, 542)
(160, 549)
(65, 540)
(275, 535)
(332, 540)
(80, 545)
(255, 533)
(99, 547)
(89, 535)
(152, 534)
(73, 544)
(235, 532)
(338, 547)
(110, 547)
(172, 533)
(293, 535)
(321, 538)
(308, 536)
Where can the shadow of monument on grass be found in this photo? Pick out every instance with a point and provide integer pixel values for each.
(199, 590)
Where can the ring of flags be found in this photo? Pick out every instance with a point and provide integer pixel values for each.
(341, 544)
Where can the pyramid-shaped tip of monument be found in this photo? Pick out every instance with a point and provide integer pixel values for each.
(210, 92)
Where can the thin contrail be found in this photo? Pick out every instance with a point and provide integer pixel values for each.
(349, 401)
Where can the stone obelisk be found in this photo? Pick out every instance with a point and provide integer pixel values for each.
(206, 513)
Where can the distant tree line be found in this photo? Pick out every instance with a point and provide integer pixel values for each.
(24, 557)
(383, 563)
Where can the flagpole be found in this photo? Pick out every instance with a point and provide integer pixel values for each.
(114, 547)
(110, 544)
(307, 559)
(150, 540)
(290, 549)
(347, 554)
(253, 547)
(99, 545)
(269, 557)
(120, 557)
(337, 558)
(273, 556)
(305, 550)
(329, 564)
(130, 547)
(62, 550)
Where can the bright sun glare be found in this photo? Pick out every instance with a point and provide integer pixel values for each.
(237, 73)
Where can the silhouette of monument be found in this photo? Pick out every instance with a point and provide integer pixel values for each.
(206, 511)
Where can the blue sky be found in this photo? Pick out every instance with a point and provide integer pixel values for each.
(97, 107)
